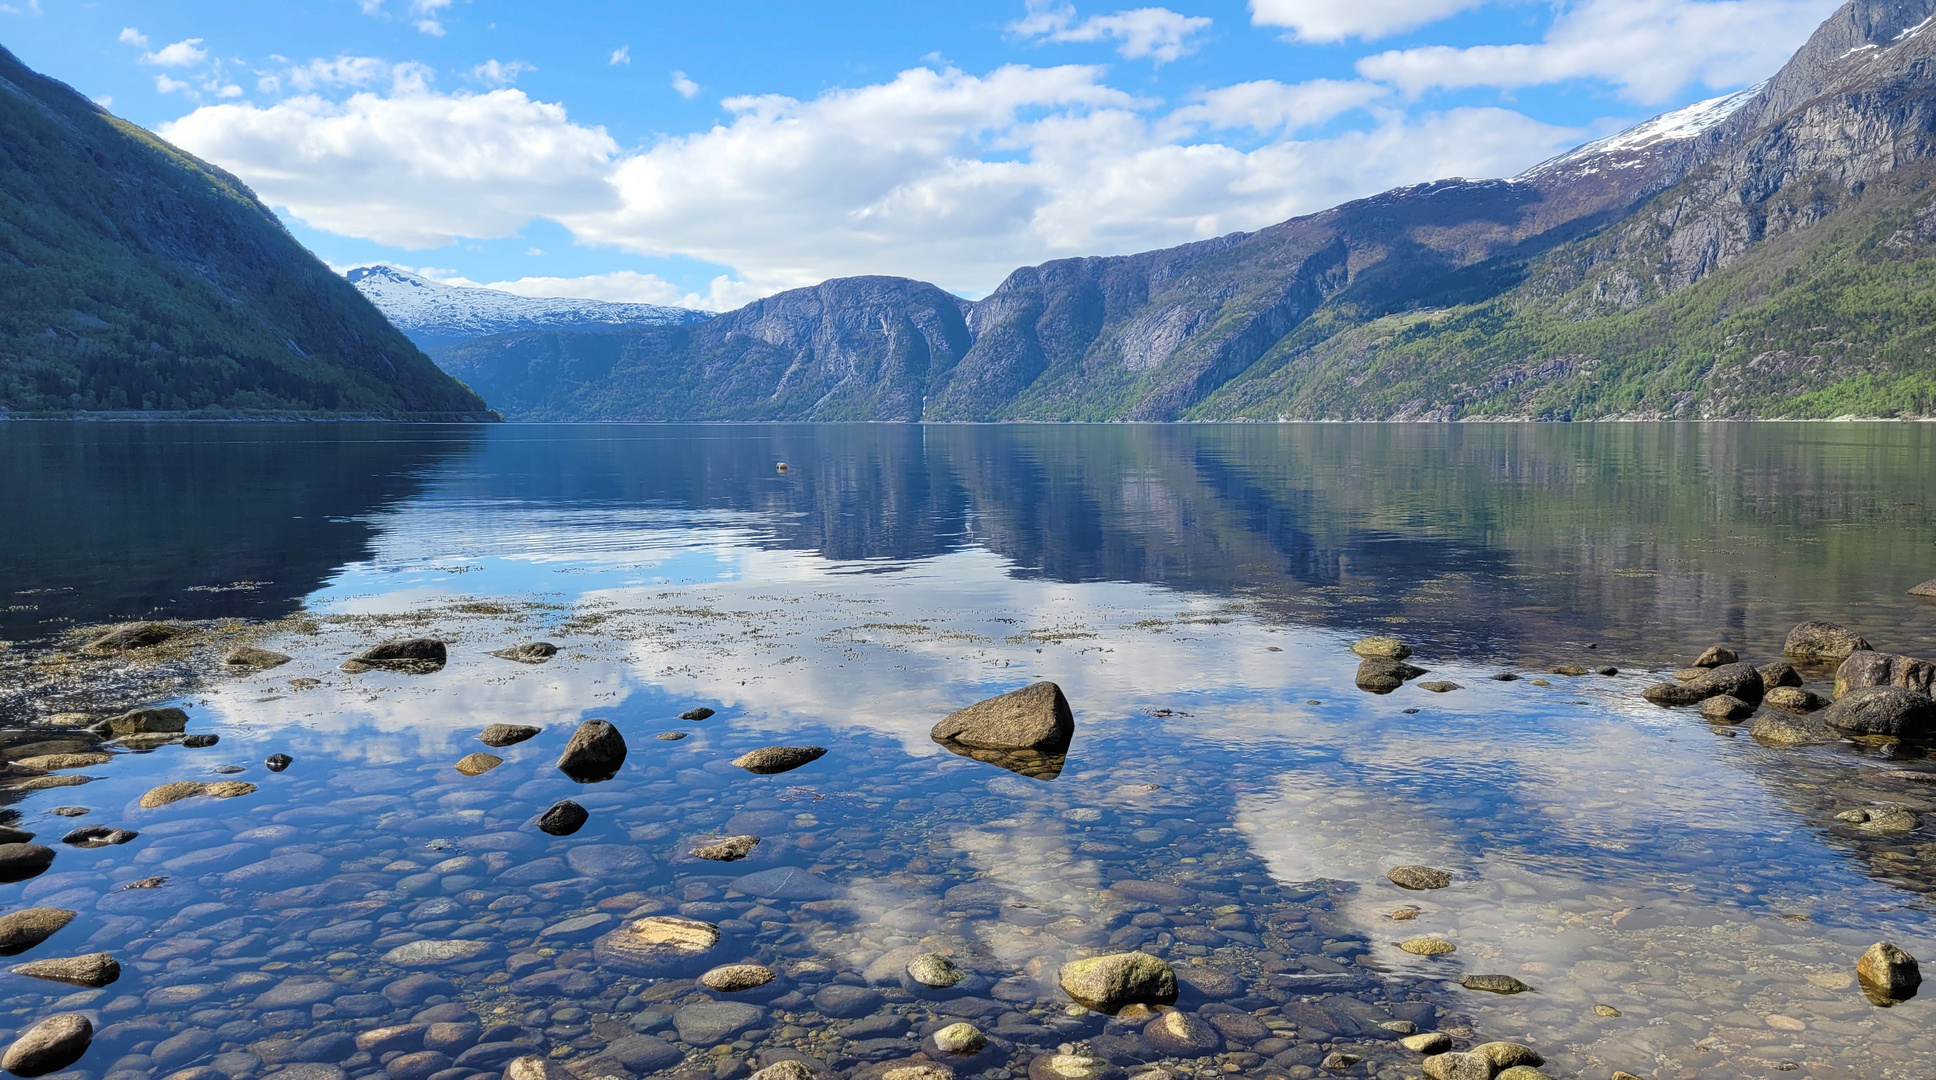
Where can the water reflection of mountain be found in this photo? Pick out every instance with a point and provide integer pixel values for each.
(111, 521)
(1477, 540)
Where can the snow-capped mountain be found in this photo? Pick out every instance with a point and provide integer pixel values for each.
(431, 313)
(1627, 149)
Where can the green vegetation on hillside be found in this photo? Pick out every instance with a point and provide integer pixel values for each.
(139, 278)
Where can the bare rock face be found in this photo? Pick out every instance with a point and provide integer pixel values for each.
(595, 752)
(416, 656)
(1741, 681)
(657, 945)
(1108, 983)
(250, 658)
(1815, 640)
(49, 1046)
(1883, 710)
(1887, 972)
(1036, 717)
(1866, 667)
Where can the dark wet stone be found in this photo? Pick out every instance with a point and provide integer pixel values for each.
(129, 636)
(278, 762)
(183, 1047)
(1377, 676)
(1161, 893)
(169, 721)
(731, 849)
(94, 969)
(1496, 984)
(250, 658)
(846, 1002)
(1815, 640)
(1215, 984)
(421, 1065)
(531, 652)
(768, 760)
(1867, 668)
(696, 715)
(413, 989)
(452, 1037)
(595, 752)
(786, 883)
(1036, 717)
(1240, 1028)
(506, 734)
(670, 736)
(93, 836)
(1440, 686)
(707, 1023)
(328, 1048)
(1180, 1034)
(1727, 710)
(312, 1070)
(491, 1055)
(563, 818)
(1878, 710)
(1734, 680)
(1505, 676)
(1715, 656)
(415, 656)
(609, 862)
(18, 862)
(50, 1045)
(297, 992)
(1779, 673)
(642, 1053)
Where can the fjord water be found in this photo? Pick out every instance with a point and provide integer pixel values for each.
(1231, 801)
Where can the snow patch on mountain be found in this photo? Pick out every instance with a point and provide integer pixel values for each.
(433, 313)
(1675, 126)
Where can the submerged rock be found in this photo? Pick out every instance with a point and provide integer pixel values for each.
(94, 969)
(415, 656)
(595, 753)
(1428, 946)
(934, 971)
(1794, 699)
(22, 930)
(778, 759)
(1785, 731)
(1494, 984)
(708, 1023)
(1869, 668)
(1816, 640)
(563, 818)
(1715, 656)
(1888, 972)
(54, 762)
(1036, 717)
(1507, 1055)
(531, 652)
(731, 849)
(431, 952)
(1380, 647)
(1452, 1066)
(1107, 983)
(49, 1046)
(144, 635)
(169, 721)
(1734, 680)
(18, 862)
(189, 789)
(656, 945)
(1383, 676)
(1418, 878)
(93, 836)
(1726, 710)
(1440, 686)
(1181, 1034)
(478, 764)
(498, 735)
(250, 658)
(1882, 710)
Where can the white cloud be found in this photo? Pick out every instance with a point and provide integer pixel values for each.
(32, 8)
(181, 54)
(414, 169)
(686, 87)
(1326, 21)
(632, 287)
(1267, 106)
(1651, 49)
(1157, 33)
(426, 20)
(131, 36)
(621, 55)
(106, 101)
(166, 85)
(228, 90)
(492, 73)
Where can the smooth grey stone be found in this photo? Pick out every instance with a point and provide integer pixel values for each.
(642, 1053)
(846, 1002)
(786, 883)
(48, 1046)
(183, 1047)
(706, 1023)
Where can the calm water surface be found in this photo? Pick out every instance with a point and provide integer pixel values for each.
(1231, 801)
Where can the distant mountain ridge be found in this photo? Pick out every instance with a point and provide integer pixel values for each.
(140, 279)
(432, 313)
(1765, 254)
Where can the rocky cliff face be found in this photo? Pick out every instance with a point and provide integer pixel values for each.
(1636, 276)
(139, 278)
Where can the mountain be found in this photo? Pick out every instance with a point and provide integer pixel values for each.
(1760, 255)
(431, 313)
(139, 278)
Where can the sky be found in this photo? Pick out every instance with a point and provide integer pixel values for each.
(706, 154)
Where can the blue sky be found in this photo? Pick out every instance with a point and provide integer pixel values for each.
(708, 153)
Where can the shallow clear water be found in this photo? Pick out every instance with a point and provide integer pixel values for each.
(1193, 590)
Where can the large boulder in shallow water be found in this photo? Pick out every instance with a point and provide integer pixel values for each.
(1883, 710)
(1380, 676)
(248, 657)
(595, 752)
(417, 656)
(1036, 717)
(49, 1046)
(1816, 640)
(135, 636)
(1734, 680)
(168, 721)
(1108, 983)
(1866, 667)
